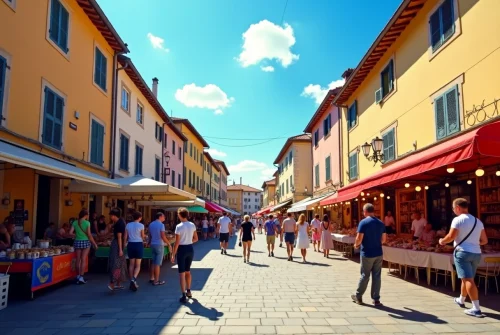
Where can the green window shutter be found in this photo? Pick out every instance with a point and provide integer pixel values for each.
(100, 145)
(55, 11)
(353, 166)
(447, 19)
(327, 169)
(63, 28)
(316, 175)
(3, 70)
(93, 142)
(439, 109)
(389, 146)
(452, 111)
(104, 72)
(184, 176)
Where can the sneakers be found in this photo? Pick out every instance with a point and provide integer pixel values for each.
(457, 301)
(80, 280)
(377, 303)
(272, 254)
(222, 251)
(474, 312)
(188, 294)
(183, 299)
(133, 286)
(281, 245)
(225, 252)
(356, 300)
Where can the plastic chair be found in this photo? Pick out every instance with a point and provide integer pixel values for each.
(492, 270)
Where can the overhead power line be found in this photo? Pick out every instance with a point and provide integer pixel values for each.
(247, 139)
(284, 10)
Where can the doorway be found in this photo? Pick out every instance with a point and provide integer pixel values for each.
(43, 206)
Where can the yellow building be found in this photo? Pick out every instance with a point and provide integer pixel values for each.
(430, 76)
(56, 80)
(224, 173)
(294, 163)
(269, 194)
(193, 156)
(211, 178)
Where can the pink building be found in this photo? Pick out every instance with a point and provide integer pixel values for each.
(326, 146)
(174, 146)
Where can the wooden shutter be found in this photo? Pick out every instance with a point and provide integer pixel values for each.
(63, 28)
(440, 117)
(100, 144)
(55, 10)
(327, 169)
(389, 145)
(93, 142)
(316, 177)
(58, 121)
(391, 75)
(3, 70)
(435, 30)
(156, 130)
(447, 19)
(104, 72)
(157, 169)
(452, 111)
(353, 166)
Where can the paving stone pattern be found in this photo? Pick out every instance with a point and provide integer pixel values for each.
(269, 296)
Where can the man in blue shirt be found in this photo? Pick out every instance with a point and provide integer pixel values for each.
(371, 235)
(271, 232)
(157, 242)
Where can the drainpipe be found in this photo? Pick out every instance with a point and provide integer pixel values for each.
(342, 146)
(114, 111)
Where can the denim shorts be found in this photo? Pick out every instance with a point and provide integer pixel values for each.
(466, 264)
(204, 230)
(289, 238)
(157, 252)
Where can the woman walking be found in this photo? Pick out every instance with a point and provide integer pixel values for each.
(204, 227)
(246, 233)
(116, 262)
(303, 236)
(134, 235)
(185, 236)
(468, 235)
(326, 236)
(83, 238)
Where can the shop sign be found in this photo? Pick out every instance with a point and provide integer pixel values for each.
(41, 275)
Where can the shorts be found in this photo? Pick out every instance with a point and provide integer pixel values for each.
(224, 237)
(289, 238)
(135, 250)
(211, 229)
(270, 239)
(316, 237)
(260, 225)
(185, 254)
(466, 264)
(204, 230)
(278, 228)
(81, 244)
(247, 238)
(157, 252)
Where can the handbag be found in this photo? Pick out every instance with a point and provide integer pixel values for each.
(239, 244)
(466, 237)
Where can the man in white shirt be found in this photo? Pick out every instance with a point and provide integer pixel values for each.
(224, 225)
(316, 232)
(418, 225)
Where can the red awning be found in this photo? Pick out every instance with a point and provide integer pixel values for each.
(212, 208)
(465, 152)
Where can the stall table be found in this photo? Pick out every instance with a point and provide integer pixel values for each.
(103, 252)
(428, 260)
(44, 272)
(345, 242)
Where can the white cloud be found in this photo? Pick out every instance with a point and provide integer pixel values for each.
(216, 153)
(247, 166)
(209, 97)
(157, 42)
(267, 68)
(252, 172)
(268, 173)
(318, 93)
(266, 40)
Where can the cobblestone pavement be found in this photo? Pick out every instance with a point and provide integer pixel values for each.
(269, 296)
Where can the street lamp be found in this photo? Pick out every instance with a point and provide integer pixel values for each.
(377, 145)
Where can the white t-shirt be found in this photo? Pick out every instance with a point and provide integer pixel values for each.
(289, 225)
(185, 230)
(418, 226)
(464, 224)
(224, 222)
(205, 223)
(134, 231)
(315, 223)
(389, 221)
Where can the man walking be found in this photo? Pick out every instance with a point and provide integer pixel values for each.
(157, 240)
(271, 231)
(290, 228)
(223, 227)
(371, 235)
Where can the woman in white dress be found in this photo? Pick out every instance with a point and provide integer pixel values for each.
(326, 236)
(303, 236)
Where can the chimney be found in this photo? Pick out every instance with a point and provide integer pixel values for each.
(347, 73)
(234, 183)
(241, 181)
(155, 87)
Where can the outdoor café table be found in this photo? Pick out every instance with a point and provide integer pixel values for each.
(428, 260)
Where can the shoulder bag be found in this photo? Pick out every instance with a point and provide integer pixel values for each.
(83, 231)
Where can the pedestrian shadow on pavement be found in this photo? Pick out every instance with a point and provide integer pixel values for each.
(315, 264)
(258, 265)
(200, 310)
(257, 252)
(409, 314)
(232, 255)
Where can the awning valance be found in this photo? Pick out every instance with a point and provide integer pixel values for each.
(465, 152)
(306, 204)
(17, 155)
(177, 204)
(213, 208)
(133, 186)
(281, 205)
(191, 209)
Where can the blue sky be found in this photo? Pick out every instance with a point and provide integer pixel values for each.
(237, 71)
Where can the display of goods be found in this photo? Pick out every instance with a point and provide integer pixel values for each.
(347, 232)
(36, 252)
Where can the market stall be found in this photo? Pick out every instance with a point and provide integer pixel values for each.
(45, 266)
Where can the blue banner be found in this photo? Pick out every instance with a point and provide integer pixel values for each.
(42, 272)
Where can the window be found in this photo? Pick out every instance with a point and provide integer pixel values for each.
(180, 152)
(173, 147)
(53, 119)
(290, 156)
(190, 181)
(179, 178)
(125, 99)
(291, 185)
(100, 69)
(96, 143)
(387, 79)
(59, 25)
(287, 186)
(389, 146)
(140, 114)
(165, 141)
(198, 183)
(353, 165)
(286, 162)
(442, 24)
(352, 116)
(157, 169)
(327, 124)
(158, 132)
(185, 147)
(3, 74)
(316, 175)
(316, 138)
(184, 176)
(328, 172)
(201, 159)
(447, 113)
(124, 145)
(191, 149)
(138, 159)
(173, 178)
